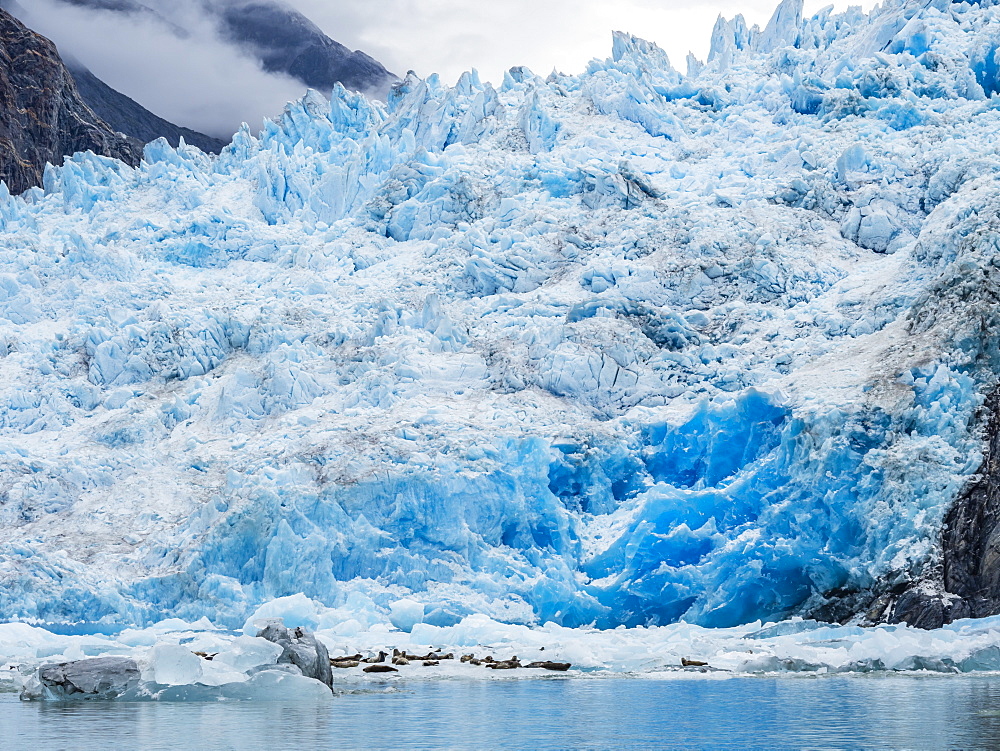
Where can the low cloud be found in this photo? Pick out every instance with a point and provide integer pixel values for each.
(203, 83)
(451, 36)
(195, 80)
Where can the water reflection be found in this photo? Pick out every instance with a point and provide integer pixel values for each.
(789, 713)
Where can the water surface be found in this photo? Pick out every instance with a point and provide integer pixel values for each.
(885, 712)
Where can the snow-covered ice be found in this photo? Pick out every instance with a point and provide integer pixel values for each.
(789, 648)
(613, 349)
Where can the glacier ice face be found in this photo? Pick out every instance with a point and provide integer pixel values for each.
(619, 348)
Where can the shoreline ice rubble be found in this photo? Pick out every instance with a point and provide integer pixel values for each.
(620, 348)
(243, 667)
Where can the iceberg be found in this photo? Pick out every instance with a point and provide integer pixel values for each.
(100, 678)
(466, 650)
(628, 348)
(176, 667)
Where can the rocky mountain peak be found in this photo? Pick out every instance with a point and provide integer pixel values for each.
(42, 115)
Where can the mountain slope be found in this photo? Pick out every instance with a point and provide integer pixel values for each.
(285, 41)
(270, 31)
(44, 117)
(622, 348)
(128, 116)
(121, 113)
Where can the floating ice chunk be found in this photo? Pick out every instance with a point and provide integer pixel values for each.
(99, 678)
(786, 628)
(173, 665)
(277, 685)
(267, 685)
(784, 647)
(986, 658)
(215, 673)
(348, 627)
(301, 649)
(246, 652)
(293, 610)
(406, 613)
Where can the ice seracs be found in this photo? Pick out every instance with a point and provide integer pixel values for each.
(620, 348)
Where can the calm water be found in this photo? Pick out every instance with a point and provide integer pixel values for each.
(894, 712)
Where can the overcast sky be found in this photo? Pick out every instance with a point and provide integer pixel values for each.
(201, 83)
(451, 36)
(195, 81)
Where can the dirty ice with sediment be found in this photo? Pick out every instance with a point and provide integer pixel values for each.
(564, 359)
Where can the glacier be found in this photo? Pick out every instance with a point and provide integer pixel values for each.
(616, 349)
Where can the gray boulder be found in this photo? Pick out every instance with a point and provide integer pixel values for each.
(98, 678)
(301, 649)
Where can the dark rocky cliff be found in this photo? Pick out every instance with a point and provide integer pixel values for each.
(42, 115)
(119, 111)
(964, 579)
(966, 582)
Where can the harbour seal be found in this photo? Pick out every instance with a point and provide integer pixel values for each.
(345, 663)
(380, 669)
(549, 665)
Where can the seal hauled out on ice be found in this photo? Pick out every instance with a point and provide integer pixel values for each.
(380, 669)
